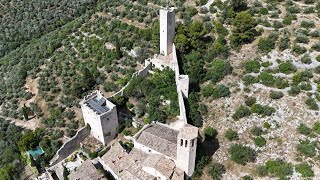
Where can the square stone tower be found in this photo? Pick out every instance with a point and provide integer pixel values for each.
(167, 30)
(186, 149)
(101, 115)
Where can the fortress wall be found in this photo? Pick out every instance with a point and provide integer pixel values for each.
(70, 146)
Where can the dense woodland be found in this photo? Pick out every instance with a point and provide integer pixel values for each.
(72, 47)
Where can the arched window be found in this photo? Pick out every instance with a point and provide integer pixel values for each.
(186, 143)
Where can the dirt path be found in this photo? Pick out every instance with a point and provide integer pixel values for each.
(31, 124)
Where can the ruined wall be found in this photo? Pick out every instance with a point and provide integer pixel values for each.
(70, 146)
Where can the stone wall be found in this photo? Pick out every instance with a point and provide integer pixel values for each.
(70, 146)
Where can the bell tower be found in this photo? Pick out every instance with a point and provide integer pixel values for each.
(186, 149)
(167, 30)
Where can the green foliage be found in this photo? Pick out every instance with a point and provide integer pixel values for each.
(260, 141)
(316, 127)
(276, 95)
(312, 104)
(262, 171)
(298, 49)
(266, 79)
(119, 100)
(266, 44)
(249, 101)
(257, 131)
(231, 135)
(262, 110)
(279, 168)
(210, 133)
(248, 79)
(305, 170)
(221, 91)
(307, 24)
(219, 69)
(307, 148)
(242, 111)
(287, 68)
(252, 66)
(29, 140)
(241, 154)
(65, 173)
(304, 129)
(243, 31)
(215, 170)
(295, 90)
(247, 177)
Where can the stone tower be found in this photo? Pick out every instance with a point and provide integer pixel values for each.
(101, 115)
(167, 30)
(186, 149)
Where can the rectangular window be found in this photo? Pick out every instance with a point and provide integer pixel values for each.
(192, 142)
(181, 142)
(186, 143)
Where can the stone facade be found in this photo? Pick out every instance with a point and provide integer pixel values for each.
(167, 30)
(101, 115)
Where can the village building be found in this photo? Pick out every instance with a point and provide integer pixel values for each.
(86, 171)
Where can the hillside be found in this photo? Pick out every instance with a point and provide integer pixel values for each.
(253, 65)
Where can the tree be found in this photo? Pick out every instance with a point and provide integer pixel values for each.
(238, 5)
(25, 112)
(87, 81)
(210, 133)
(243, 31)
(118, 50)
(181, 42)
(65, 173)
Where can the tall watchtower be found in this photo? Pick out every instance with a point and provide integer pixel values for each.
(186, 149)
(167, 30)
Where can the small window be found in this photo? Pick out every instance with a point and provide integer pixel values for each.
(181, 142)
(192, 142)
(186, 143)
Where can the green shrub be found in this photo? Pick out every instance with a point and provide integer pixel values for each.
(304, 129)
(210, 133)
(262, 171)
(279, 168)
(317, 70)
(249, 101)
(276, 95)
(248, 80)
(262, 110)
(215, 170)
(318, 58)
(298, 49)
(252, 66)
(247, 177)
(316, 127)
(307, 148)
(257, 131)
(316, 47)
(263, 11)
(241, 154)
(287, 68)
(242, 111)
(305, 170)
(280, 83)
(260, 141)
(231, 135)
(295, 90)
(306, 59)
(266, 79)
(312, 104)
(287, 20)
(305, 86)
(266, 44)
(220, 69)
(221, 91)
(307, 24)
(301, 38)
(266, 125)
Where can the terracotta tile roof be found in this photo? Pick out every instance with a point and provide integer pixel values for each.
(86, 171)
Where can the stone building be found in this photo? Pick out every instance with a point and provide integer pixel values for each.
(167, 30)
(159, 153)
(101, 115)
(86, 171)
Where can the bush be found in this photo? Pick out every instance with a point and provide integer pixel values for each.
(307, 148)
(266, 44)
(221, 91)
(248, 79)
(304, 129)
(250, 101)
(305, 170)
(295, 90)
(276, 94)
(210, 132)
(215, 170)
(301, 38)
(241, 154)
(298, 49)
(231, 135)
(316, 127)
(257, 131)
(307, 24)
(312, 104)
(241, 112)
(260, 141)
(280, 83)
(316, 47)
(252, 66)
(262, 171)
(306, 59)
(279, 168)
(247, 177)
(220, 69)
(262, 110)
(266, 79)
(287, 68)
